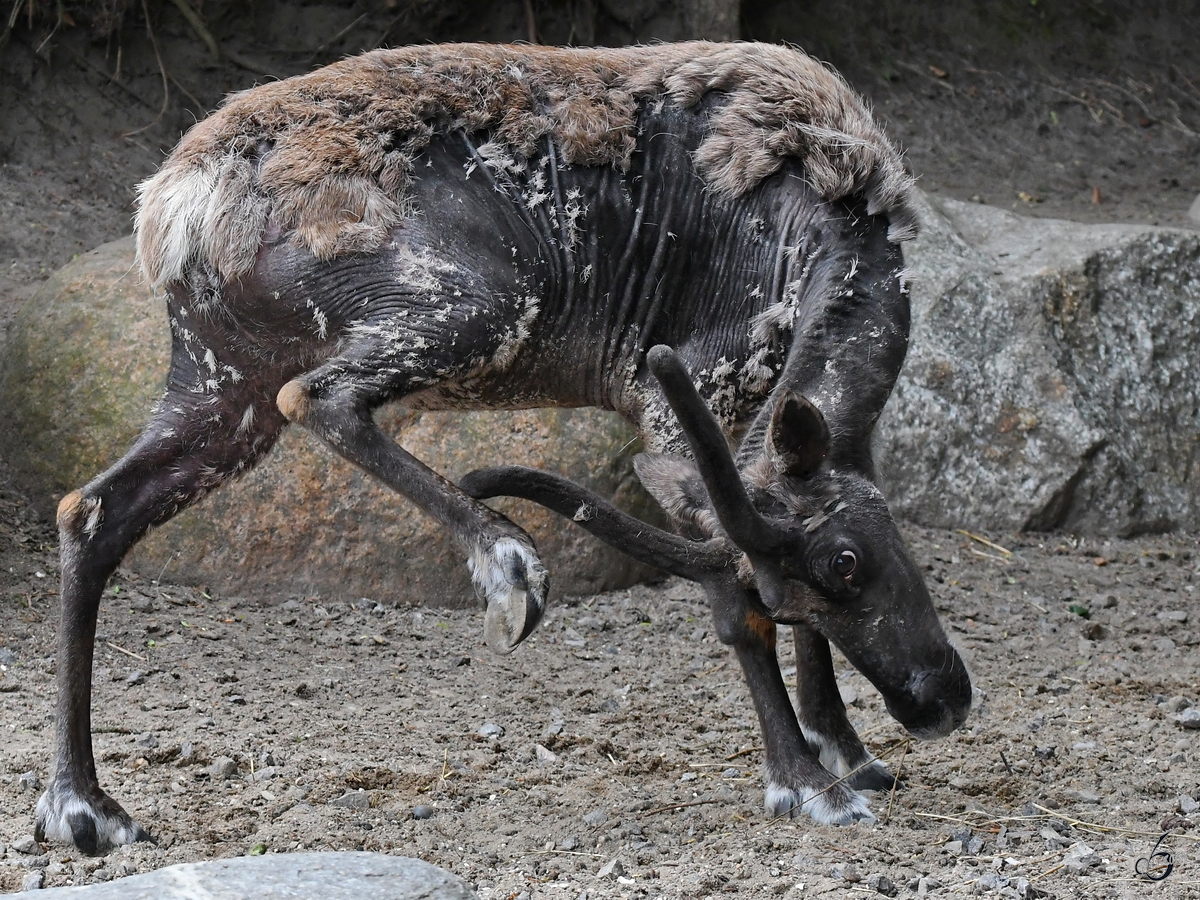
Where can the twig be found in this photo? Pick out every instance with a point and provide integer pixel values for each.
(985, 542)
(248, 64)
(193, 19)
(991, 556)
(113, 646)
(333, 40)
(662, 809)
(53, 31)
(12, 22)
(166, 83)
(1105, 829)
(895, 782)
(734, 756)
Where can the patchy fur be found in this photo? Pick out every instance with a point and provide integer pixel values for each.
(327, 156)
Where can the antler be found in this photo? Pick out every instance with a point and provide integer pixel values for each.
(693, 560)
(746, 527)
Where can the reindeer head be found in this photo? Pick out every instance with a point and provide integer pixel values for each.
(814, 541)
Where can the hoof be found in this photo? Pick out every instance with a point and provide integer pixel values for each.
(836, 805)
(874, 777)
(513, 582)
(91, 821)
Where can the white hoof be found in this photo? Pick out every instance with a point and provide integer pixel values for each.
(837, 805)
(95, 826)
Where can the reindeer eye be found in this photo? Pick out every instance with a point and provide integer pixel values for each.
(845, 563)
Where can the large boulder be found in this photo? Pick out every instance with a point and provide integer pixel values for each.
(85, 360)
(345, 875)
(1053, 379)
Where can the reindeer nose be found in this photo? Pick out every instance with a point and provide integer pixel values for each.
(937, 701)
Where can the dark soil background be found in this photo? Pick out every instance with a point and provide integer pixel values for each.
(229, 725)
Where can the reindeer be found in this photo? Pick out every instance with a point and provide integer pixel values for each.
(474, 226)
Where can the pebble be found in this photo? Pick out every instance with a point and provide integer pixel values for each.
(33, 881)
(925, 884)
(1080, 858)
(569, 843)
(490, 729)
(1194, 210)
(422, 812)
(1045, 752)
(7, 657)
(222, 767)
(595, 819)
(141, 603)
(147, 739)
(1082, 796)
(1162, 645)
(1189, 719)
(544, 755)
(1187, 805)
(1177, 704)
(28, 781)
(353, 800)
(612, 869)
(25, 844)
(955, 847)
(266, 773)
(1174, 615)
(882, 885)
(134, 678)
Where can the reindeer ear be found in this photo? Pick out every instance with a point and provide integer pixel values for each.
(675, 483)
(799, 436)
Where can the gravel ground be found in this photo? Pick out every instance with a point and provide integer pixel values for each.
(622, 732)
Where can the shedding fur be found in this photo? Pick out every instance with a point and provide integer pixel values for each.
(327, 156)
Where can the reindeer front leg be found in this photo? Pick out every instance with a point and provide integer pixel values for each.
(796, 781)
(335, 402)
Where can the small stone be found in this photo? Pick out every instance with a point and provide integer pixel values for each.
(26, 844)
(1194, 210)
(1082, 796)
(1046, 752)
(974, 846)
(925, 884)
(992, 882)
(1106, 601)
(141, 603)
(490, 729)
(1162, 645)
(134, 678)
(33, 881)
(1080, 858)
(187, 752)
(1054, 840)
(353, 800)
(1189, 719)
(266, 773)
(882, 884)
(954, 847)
(222, 767)
(1175, 616)
(569, 843)
(147, 739)
(1187, 805)
(28, 781)
(544, 756)
(422, 811)
(612, 870)
(1177, 704)
(7, 657)
(595, 819)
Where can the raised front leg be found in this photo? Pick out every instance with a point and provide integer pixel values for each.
(335, 403)
(796, 781)
(823, 716)
(193, 443)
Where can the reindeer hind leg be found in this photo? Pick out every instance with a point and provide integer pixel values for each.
(192, 443)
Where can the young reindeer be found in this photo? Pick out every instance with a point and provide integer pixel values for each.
(480, 226)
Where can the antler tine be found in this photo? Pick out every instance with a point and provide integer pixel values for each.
(753, 534)
(745, 526)
(676, 555)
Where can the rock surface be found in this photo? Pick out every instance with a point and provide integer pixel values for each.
(86, 357)
(1051, 380)
(318, 876)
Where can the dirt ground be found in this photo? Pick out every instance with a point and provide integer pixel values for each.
(232, 725)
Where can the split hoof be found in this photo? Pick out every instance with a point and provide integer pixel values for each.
(512, 580)
(90, 820)
(836, 805)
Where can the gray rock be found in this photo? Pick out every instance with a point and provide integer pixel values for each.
(25, 844)
(1177, 616)
(1189, 719)
(84, 362)
(359, 799)
(544, 755)
(222, 767)
(276, 876)
(1187, 805)
(33, 881)
(421, 811)
(7, 657)
(1080, 858)
(28, 781)
(1194, 211)
(490, 729)
(612, 870)
(1051, 373)
(595, 818)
